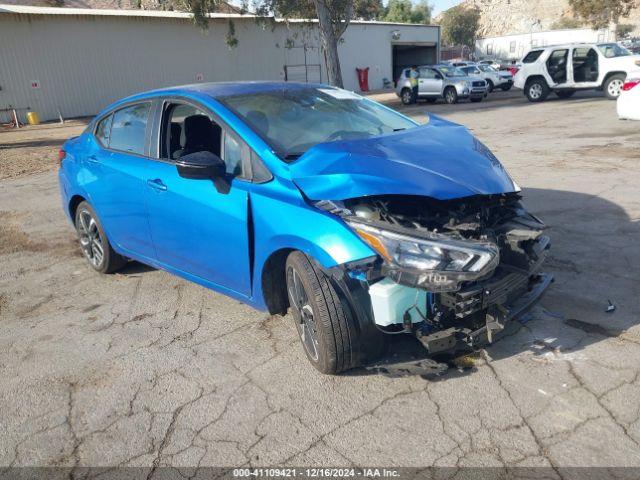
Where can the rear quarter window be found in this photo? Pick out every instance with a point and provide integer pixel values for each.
(532, 56)
(103, 131)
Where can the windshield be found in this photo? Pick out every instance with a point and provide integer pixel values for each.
(452, 72)
(487, 68)
(293, 120)
(611, 50)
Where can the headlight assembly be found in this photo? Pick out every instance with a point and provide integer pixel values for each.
(434, 262)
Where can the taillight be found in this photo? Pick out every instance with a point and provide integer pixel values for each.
(630, 84)
(61, 155)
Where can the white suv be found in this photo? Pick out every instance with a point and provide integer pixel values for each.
(564, 69)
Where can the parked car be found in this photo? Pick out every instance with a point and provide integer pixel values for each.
(564, 69)
(494, 78)
(310, 198)
(497, 64)
(441, 81)
(628, 103)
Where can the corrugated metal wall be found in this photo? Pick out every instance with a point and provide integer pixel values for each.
(81, 63)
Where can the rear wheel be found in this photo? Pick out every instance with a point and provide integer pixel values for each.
(565, 93)
(323, 323)
(613, 86)
(450, 95)
(406, 95)
(94, 242)
(536, 90)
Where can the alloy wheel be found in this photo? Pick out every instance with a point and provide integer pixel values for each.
(535, 91)
(90, 239)
(615, 86)
(303, 314)
(406, 97)
(450, 98)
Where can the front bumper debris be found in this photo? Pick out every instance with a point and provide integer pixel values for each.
(496, 317)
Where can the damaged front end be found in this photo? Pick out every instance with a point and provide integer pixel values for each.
(452, 272)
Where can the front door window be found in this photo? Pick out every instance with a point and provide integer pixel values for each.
(585, 65)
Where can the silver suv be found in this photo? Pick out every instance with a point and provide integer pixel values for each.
(441, 81)
(493, 77)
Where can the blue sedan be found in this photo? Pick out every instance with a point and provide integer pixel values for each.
(309, 197)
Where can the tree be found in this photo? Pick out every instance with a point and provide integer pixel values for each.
(404, 11)
(566, 22)
(601, 13)
(333, 18)
(460, 25)
(624, 29)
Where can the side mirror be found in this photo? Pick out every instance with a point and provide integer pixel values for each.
(438, 76)
(201, 166)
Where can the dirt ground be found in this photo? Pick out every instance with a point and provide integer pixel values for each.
(142, 368)
(34, 148)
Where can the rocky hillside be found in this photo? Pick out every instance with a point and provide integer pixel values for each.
(500, 17)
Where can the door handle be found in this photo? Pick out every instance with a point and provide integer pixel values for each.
(92, 159)
(157, 184)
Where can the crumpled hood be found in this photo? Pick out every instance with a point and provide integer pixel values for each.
(441, 160)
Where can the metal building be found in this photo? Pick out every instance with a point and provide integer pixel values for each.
(76, 61)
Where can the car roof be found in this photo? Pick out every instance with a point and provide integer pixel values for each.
(224, 89)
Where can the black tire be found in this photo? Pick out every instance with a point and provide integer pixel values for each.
(612, 86)
(476, 99)
(431, 99)
(565, 93)
(91, 235)
(406, 95)
(490, 86)
(505, 88)
(335, 337)
(450, 95)
(536, 90)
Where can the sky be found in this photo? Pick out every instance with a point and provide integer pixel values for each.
(440, 5)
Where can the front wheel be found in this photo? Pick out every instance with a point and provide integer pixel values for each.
(450, 95)
(406, 96)
(537, 90)
(613, 86)
(490, 86)
(94, 242)
(506, 88)
(323, 323)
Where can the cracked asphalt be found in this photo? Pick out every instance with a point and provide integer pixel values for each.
(142, 368)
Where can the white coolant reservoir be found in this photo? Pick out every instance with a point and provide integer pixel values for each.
(390, 300)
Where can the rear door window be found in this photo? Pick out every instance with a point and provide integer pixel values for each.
(129, 127)
(532, 56)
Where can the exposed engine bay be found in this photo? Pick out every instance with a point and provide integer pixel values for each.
(451, 272)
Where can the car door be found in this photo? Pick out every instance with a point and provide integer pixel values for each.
(430, 82)
(557, 66)
(197, 228)
(585, 67)
(114, 176)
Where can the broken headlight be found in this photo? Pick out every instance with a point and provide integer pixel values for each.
(434, 262)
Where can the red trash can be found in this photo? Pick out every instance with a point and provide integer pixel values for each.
(363, 78)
